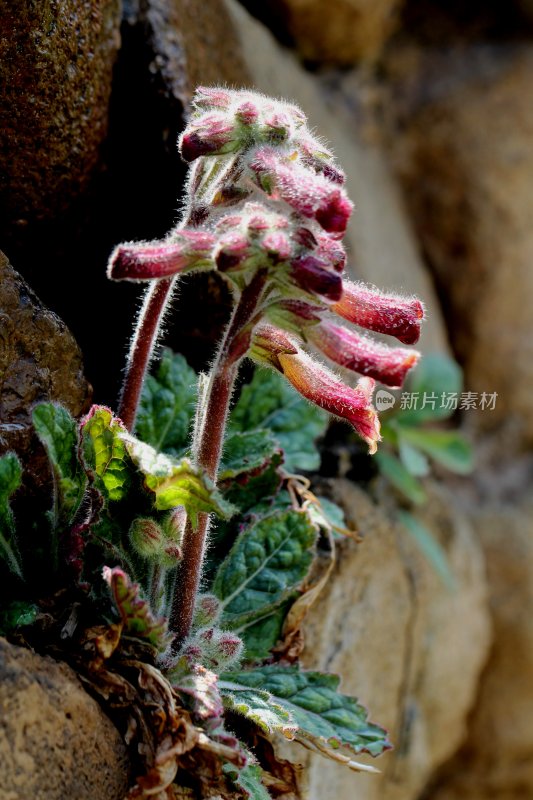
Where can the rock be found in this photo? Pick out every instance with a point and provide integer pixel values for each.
(497, 759)
(342, 33)
(55, 741)
(464, 154)
(56, 68)
(380, 240)
(409, 647)
(39, 361)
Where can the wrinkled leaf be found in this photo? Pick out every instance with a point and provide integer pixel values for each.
(134, 610)
(58, 431)
(246, 452)
(176, 482)
(449, 448)
(10, 479)
(261, 635)
(255, 489)
(430, 547)
(270, 402)
(248, 780)
(402, 480)
(322, 715)
(267, 562)
(259, 707)
(105, 452)
(168, 400)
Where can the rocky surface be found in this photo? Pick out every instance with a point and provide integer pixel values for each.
(39, 361)
(55, 741)
(466, 161)
(410, 647)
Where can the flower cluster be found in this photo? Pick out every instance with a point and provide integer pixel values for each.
(265, 195)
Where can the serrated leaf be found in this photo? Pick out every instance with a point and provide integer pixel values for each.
(176, 482)
(435, 374)
(259, 707)
(261, 635)
(322, 714)
(134, 610)
(10, 480)
(430, 547)
(167, 404)
(255, 489)
(105, 452)
(449, 448)
(246, 451)
(58, 432)
(267, 562)
(248, 779)
(402, 480)
(270, 402)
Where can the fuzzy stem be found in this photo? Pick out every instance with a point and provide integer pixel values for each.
(142, 347)
(210, 428)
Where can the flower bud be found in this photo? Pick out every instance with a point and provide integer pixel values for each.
(208, 135)
(211, 97)
(363, 355)
(214, 648)
(267, 344)
(397, 316)
(146, 537)
(247, 113)
(140, 261)
(206, 611)
(313, 276)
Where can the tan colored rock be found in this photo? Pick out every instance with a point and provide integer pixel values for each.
(409, 647)
(340, 32)
(56, 67)
(39, 361)
(466, 159)
(382, 246)
(497, 760)
(55, 741)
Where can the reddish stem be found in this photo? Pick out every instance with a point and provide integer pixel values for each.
(211, 437)
(142, 347)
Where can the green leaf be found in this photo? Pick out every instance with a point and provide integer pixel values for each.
(256, 489)
(259, 707)
(17, 614)
(413, 460)
(449, 448)
(261, 635)
(134, 610)
(323, 716)
(402, 480)
(267, 562)
(270, 402)
(10, 480)
(430, 547)
(436, 375)
(58, 431)
(248, 780)
(246, 452)
(327, 515)
(168, 400)
(176, 482)
(105, 452)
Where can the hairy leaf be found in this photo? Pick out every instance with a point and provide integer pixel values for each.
(267, 562)
(176, 482)
(261, 635)
(167, 404)
(248, 780)
(58, 431)
(430, 547)
(201, 686)
(323, 716)
(134, 610)
(105, 452)
(270, 402)
(246, 452)
(10, 479)
(254, 489)
(259, 707)
(400, 477)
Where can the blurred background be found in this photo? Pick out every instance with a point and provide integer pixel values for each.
(428, 105)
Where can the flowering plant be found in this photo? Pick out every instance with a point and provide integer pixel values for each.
(265, 207)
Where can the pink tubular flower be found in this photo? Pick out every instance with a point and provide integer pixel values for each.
(312, 195)
(397, 316)
(211, 134)
(142, 261)
(322, 388)
(313, 275)
(389, 365)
